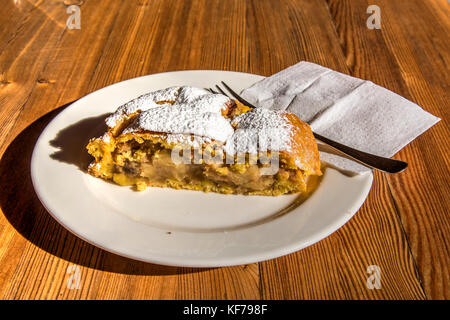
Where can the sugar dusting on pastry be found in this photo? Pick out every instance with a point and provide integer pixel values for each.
(193, 116)
(142, 103)
(259, 130)
(194, 111)
(106, 137)
(182, 120)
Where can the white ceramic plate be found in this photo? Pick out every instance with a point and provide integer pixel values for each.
(177, 227)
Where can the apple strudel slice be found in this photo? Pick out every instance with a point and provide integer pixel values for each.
(189, 138)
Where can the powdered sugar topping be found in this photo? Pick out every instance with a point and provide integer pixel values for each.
(193, 116)
(142, 103)
(193, 111)
(259, 130)
(183, 120)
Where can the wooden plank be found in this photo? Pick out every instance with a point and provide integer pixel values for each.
(335, 268)
(410, 56)
(25, 54)
(47, 278)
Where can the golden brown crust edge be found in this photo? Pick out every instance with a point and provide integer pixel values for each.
(304, 153)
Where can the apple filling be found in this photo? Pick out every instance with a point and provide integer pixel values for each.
(150, 163)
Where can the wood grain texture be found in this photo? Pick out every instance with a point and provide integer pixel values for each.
(417, 68)
(402, 227)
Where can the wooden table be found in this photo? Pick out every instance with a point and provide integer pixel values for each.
(403, 226)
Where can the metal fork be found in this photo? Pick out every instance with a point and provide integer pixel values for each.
(369, 160)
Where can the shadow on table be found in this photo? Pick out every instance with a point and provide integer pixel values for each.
(26, 214)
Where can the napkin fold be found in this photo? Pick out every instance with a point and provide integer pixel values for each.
(352, 111)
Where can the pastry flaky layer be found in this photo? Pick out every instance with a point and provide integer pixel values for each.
(189, 138)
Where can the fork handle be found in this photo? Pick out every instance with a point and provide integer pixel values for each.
(369, 160)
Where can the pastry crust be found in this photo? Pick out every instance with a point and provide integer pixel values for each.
(226, 147)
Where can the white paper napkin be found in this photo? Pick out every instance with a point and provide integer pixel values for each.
(352, 111)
